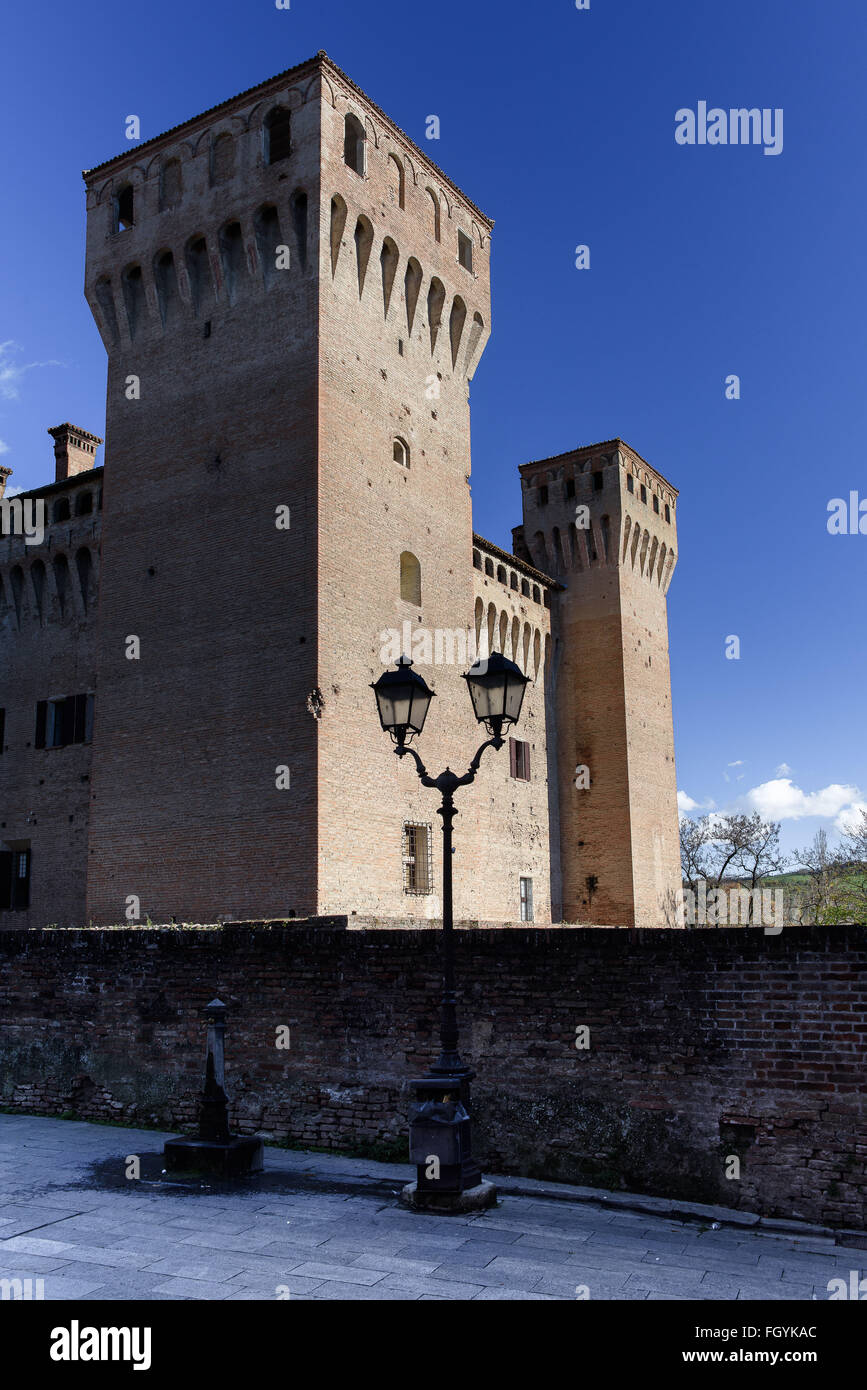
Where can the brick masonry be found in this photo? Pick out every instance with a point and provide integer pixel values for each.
(704, 1045)
(225, 745)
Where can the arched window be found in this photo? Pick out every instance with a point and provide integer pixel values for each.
(84, 565)
(537, 597)
(171, 184)
(124, 208)
(502, 577)
(84, 504)
(278, 135)
(477, 560)
(489, 568)
(398, 179)
(400, 452)
(354, 144)
(513, 581)
(199, 273)
(61, 510)
(222, 158)
(410, 579)
(525, 588)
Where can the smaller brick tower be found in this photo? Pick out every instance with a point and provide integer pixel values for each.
(603, 522)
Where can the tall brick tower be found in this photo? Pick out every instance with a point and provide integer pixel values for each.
(293, 300)
(603, 522)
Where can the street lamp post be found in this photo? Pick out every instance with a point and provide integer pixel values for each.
(448, 1178)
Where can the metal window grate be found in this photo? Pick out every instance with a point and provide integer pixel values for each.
(526, 900)
(417, 859)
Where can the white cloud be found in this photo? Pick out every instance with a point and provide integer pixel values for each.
(783, 770)
(780, 799)
(738, 763)
(850, 817)
(685, 803)
(13, 491)
(4, 447)
(11, 371)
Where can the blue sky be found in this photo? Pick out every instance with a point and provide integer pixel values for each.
(704, 261)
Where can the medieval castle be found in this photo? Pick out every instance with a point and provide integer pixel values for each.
(293, 299)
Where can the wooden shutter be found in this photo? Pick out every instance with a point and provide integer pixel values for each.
(513, 757)
(67, 721)
(80, 717)
(41, 715)
(527, 761)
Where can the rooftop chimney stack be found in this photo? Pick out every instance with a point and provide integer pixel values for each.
(74, 450)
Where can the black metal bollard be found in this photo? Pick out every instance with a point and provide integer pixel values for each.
(215, 1151)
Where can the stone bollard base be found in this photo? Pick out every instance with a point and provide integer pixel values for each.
(239, 1155)
(477, 1198)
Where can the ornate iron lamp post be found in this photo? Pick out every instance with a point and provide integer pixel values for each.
(448, 1177)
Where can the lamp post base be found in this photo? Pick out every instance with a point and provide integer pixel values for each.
(477, 1198)
(232, 1158)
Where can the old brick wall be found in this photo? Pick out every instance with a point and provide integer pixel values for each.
(48, 651)
(704, 1044)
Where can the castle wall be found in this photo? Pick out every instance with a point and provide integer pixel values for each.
(187, 814)
(48, 651)
(619, 852)
(395, 362)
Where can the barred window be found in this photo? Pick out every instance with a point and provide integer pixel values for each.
(417, 867)
(526, 900)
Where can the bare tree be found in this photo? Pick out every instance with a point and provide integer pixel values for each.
(824, 898)
(695, 850)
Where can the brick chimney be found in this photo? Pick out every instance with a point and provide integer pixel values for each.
(74, 450)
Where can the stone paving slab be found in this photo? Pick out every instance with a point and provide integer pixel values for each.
(327, 1227)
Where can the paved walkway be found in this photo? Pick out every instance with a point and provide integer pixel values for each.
(326, 1227)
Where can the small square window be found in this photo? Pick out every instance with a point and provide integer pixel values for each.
(465, 251)
(526, 900)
